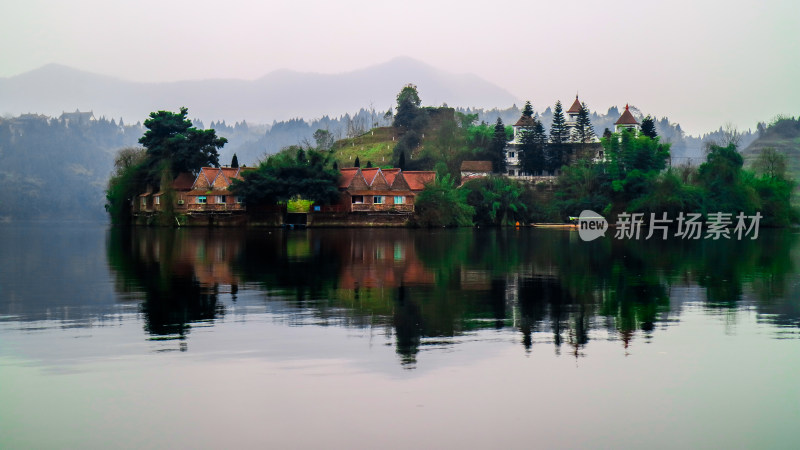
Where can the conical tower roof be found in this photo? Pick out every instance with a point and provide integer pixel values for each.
(576, 107)
(626, 118)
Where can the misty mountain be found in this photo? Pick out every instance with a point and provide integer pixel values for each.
(279, 95)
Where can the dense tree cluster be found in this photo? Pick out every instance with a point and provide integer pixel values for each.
(172, 145)
(291, 174)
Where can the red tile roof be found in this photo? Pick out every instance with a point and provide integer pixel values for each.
(576, 107)
(183, 182)
(390, 175)
(347, 176)
(476, 166)
(525, 121)
(626, 118)
(418, 179)
(369, 174)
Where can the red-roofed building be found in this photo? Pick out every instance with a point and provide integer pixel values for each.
(206, 192)
(626, 121)
(374, 189)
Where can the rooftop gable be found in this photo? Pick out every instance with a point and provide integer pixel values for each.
(346, 176)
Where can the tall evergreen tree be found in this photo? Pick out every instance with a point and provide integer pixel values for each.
(584, 131)
(357, 163)
(649, 127)
(369, 164)
(498, 148)
(235, 161)
(557, 152)
(528, 110)
(558, 130)
(402, 161)
(407, 107)
(532, 149)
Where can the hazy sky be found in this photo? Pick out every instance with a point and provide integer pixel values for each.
(700, 62)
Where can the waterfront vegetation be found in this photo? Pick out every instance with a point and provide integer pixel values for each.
(172, 145)
(631, 174)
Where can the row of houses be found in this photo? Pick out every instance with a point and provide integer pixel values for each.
(361, 190)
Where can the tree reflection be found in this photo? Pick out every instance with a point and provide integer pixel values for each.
(428, 286)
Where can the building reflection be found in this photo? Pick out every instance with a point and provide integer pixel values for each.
(429, 287)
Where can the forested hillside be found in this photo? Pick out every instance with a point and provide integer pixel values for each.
(51, 169)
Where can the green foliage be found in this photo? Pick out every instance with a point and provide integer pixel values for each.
(583, 186)
(559, 134)
(408, 102)
(533, 149)
(771, 163)
(324, 139)
(171, 138)
(283, 177)
(528, 110)
(649, 127)
(441, 204)
(497, 200)
(584, 131)
(667, 193)
(497, 149)
(633, 162)
(235, 161)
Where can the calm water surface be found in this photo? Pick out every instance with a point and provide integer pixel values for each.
(395, 339)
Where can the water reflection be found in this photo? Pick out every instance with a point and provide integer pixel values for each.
(429, 287)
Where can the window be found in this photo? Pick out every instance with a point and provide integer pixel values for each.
(377, 199)
(238, 199)
(158, 199)
(358, 199)
(399, 199)
(201, 199)
(511, 172)
(220, 199)
(510, 154)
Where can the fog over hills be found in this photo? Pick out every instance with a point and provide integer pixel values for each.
(279, 95)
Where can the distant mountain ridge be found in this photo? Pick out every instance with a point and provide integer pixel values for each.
(279, 95)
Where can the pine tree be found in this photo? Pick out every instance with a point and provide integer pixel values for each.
(649, 127)
(357, 163)
(558, 129)
(584, 132)
(528, 111)
(498, 148)
(335, 165)
(235, 162)
(402, 161)
(369, 164)
(532, 149)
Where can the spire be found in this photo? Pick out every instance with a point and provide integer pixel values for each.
(626, 118)
(576, 106)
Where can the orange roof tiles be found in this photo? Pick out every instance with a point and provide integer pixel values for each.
(347, 176)
(418, 179)
(370, 174)
(390, 175)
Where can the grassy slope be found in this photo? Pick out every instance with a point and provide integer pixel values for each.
(787, 142)
(375, 145)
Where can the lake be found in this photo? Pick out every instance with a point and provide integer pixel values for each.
(395, 338)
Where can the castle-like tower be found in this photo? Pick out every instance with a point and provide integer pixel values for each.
(626, 121)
